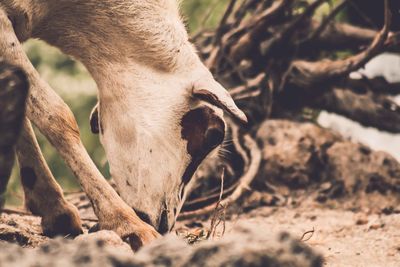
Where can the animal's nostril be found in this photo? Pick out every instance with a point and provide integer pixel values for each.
(214, 137)
(163, 226)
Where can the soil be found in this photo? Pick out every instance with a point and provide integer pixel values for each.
(339, 201)
(343, 237)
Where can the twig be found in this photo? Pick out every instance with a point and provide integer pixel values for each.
(321, 28)
(223, 21)
(216, 218)
(363, 15)
(255, 28)
(206, 200)
(15, 211)
(377, 85)
(289, 30)
(370, 109)
(307, 74)
(311, 233)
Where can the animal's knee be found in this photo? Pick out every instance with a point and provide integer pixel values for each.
(68, 124)
(62, 126)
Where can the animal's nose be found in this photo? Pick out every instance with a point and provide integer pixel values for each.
(163, 226)
(214, 137)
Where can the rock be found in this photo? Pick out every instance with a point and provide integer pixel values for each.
(243, 247)
(304, 156)
(291, 151)
(21, 229)
(362, 220)
(105, 238)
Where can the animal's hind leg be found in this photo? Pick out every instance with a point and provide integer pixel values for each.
(13, 93)
(43, 196)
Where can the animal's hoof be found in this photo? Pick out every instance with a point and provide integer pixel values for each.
(66, 223)
(141, 238)
(94, 229)
(126, 223)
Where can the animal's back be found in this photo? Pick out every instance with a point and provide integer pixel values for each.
(150, 32)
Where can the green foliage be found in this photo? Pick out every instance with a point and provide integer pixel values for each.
(203, 14)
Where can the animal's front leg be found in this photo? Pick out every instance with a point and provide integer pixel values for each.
(43, 196)
(56, 121)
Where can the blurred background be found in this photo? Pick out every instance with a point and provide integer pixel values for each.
(72, 82)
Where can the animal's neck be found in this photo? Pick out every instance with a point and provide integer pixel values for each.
(151, 32)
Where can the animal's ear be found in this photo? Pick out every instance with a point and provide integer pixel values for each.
(94, 120)
(215, 94)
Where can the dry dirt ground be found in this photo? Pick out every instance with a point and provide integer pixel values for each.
(339, 201)
(343, 237)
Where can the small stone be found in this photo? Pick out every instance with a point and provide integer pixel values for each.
(362, 221)
(376, 226)
(388, 210)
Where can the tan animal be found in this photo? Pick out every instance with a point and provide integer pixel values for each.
(159, 112)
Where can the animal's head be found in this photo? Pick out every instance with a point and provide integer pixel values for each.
(156, 138)
(160, 111)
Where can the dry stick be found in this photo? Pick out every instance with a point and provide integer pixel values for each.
(266, 16)
(223, 21)
(221, 41)
(309, 12)
(214, 55)
(250, 88)
(244, 181)
(306, 233)
(321, 28)
(363, 15)
(242, 89)
(370, 109)
(207, 200)
(376, 85)
(343, 35)
(26, 213)
(241, 12)
(248, 95)
(16, 211)
(214, 225)
(255, 27)
(238, 145)
(307, 74)
(288, 31)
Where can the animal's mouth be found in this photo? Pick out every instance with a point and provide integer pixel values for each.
(162, 223)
